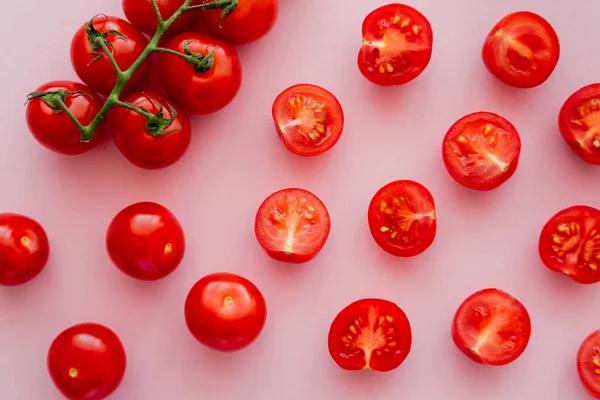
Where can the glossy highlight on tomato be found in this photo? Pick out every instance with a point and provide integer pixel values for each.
(141, 14)
(24, 249)
(225, 312)
(588, 364)
(54, 129)
(491, 327)
(481, 150)
(522, 50)
(87, 362)
(308, 119)
(570, 244)
(292, 225)
(145, 241)
(579, 123)
(402, 218)
(396, 46)
(370, 334)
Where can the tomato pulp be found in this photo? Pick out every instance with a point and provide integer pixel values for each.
(370, 334)
(588, 364)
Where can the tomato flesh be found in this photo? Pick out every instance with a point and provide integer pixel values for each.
(491, 327)
(588, 364)
(396, 46)
(522, 50)
(292, 225)
(402, 218)
(570, 244)
(308, 119)
(579, 123)
(370, 334)
(481, 150)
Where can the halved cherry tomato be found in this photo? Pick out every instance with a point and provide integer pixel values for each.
(579, 123)
(141, 14)
(397, 45)
(570, 244)
(292, 225)
(481, 151)
(308, 118)
(225, 311)
(491, 327)
(370, 334)
(24, 249)
(588, 364)
(522, 50)
(402, 218)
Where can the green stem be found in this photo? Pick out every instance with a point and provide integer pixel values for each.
(175, 53)
(133, 108)
(64, 107)
(159, 17)
(111, 58)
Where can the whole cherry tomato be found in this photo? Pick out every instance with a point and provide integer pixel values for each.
(579, 123)
(225, 311)
(145, 241)
(87, 362)
(588, 364)
(522, 50)
(141, 14)
(370, 334)
(154, 143)
(208, 86)
(124, 42)
(249, 21)
(52, 127)
(24, 249)
(397, 45)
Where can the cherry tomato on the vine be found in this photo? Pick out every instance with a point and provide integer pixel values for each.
(155, 143)
(24, 249)
(522, 50)
(225, 311)
(370, 334)
(251, 20)
(397, 45)
(141, 14)
(481, 150)
(579, 123)
(570, 244)
(52, 127)
(124, 41)
(402, 218)
(588, 364)
(87, 362)
(292, 225)
(308, 119)
(208, 86)
(491, 327)
(145, 241)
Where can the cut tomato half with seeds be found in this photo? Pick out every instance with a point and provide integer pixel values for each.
(522, 50)
(491, 327)
(402, 218)
(588, 364)
(370, 334)
(292, 225)
(481, 151)
(396, 46)
(570, 244)
(309, 119)
(579, 123)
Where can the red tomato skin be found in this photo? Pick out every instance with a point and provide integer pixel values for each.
(201, 93)
(141, 14)
(145, 241)
(24, 249)
(138, 145)
(500, 72)
(56, 131)
(219, 325)
(100, 75)
(251, 20)
(587, 357)
(569, 129)
(87, 362)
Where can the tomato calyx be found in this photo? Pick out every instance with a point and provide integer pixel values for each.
(201, 63)
(228, 7)
(155, 123)
(54, 98)
(99, 39)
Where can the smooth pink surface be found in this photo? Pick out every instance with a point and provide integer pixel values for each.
(236, 160)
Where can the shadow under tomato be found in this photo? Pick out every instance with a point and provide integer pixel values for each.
(372, 384)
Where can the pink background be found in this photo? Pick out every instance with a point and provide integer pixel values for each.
(236, 160)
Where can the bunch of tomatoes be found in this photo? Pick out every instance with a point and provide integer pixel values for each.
(201, 74)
